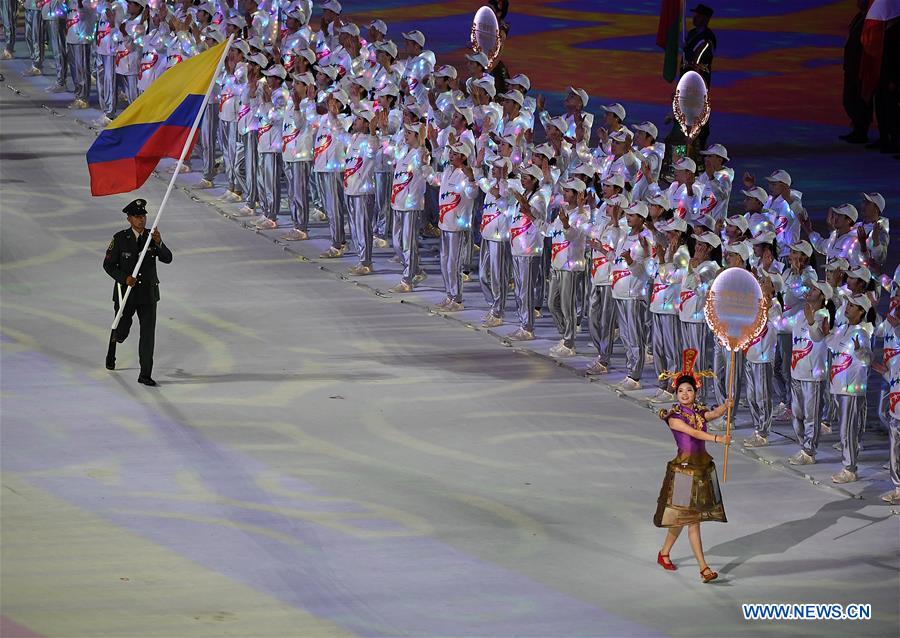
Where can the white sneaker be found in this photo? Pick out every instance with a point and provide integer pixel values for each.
(234, 197)
(824, 428)
(443, 304)
(103, 121)
(521, 335)
(6, 55)
(77, 105)
(57, 88)
(844, 476)
(784, 415)
(628, 385)
(394, 259)
(319, 216)
(422, 276)
(756, 441)
(378, 242)
(32, 71)
(562, 352)
(332, 253)
(537, 313)
(892, 497)
(662, 396)
(492, 322)
(267, 224)
(295, 234)
(246, 211)
(648, 359)
(204, 183)
(454, 306)
(360, 270)
(802, 458)
(401, 288)
(597, 368)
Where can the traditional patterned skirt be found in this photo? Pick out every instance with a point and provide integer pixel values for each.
(690, 493)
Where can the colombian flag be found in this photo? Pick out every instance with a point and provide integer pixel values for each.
(154, 126)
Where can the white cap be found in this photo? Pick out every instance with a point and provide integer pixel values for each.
(214, 34)
(480, 58)
(388, 89)
(659, 199)
(241, 46)
(276, 70)
(416, 36)
(582, 94)
(619, 199)
(520, 79)
(379, 26)
(803, 246)
(584, 168)
(862, 301)
(780, 176)
(388, 47)
(860, 272)
(686, 164)
(341, 96)
(413, 128)
(466, 112)
(332, 5)
(616, 109)
(766, 237)
(502, 162)
(486, 83)
(307, 54)
(259, 59)
(838, 263)
(256, 43)
(546, 150)
(647, 127)
(206, 6)
(364, 112)
(716, 149)
(515, 96)
(463, 148)
(509, 138)
(615, 179)
(825, 287)
(297, 13)
(237, 21)
(676, 223)
(875, 198)
(707, 221)
(445, 71)
(574, 184)
(533, 171)
(709, 238)
(619, 136)
(741, 248)
(757, 193)
(847, 209)
(143, 3)
(739, 222)
(776, 279)
(306, 78)
(638, 208)
(349, 28)
(330, 70)
(560, 123)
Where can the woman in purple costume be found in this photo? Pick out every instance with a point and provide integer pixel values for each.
(690, 491)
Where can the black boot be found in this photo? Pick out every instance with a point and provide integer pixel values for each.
(146, 379)
(111, 352)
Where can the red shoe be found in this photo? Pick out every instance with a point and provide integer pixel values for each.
(663, 559)
(708, 575)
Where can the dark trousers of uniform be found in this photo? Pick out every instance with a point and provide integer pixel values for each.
(383, 204)
(494, 274)
(561, 301)
(146, 313)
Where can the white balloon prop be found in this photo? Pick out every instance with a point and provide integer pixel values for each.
(691, 103)
(486, 37)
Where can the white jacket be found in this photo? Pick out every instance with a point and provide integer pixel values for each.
(849, 365)
(694, 288)
(359, 165)
(631, 281)
(455, 200)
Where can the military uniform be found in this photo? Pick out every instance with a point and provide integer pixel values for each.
(121, 258)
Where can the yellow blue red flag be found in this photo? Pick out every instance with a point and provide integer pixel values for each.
(155, 125)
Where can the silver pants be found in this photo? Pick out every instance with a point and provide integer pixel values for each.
(759, 395)
(602, 321)
(783, 369)
(493, 272)
(270, 184)
(894, 431)
(408, 222)
(432, 199)
(382, 204)
(297, 176)
(561, 302)
(851, 413)
(396, 225)
(525, 269)
(129, 84)
(34, 37)
(666, 339)
(80, 68)
(208, 128)
(452, 245)
(230, 140)
(106, 84)
(806, 406)
(721, 368)
(9, 10)
(630, 313)
(696, 336)
(331, 186)
(362, 212)
(56, 35)
(251, 182)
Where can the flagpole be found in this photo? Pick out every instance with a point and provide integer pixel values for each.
(165, 199)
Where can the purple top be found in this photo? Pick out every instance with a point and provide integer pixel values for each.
(688, 445)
